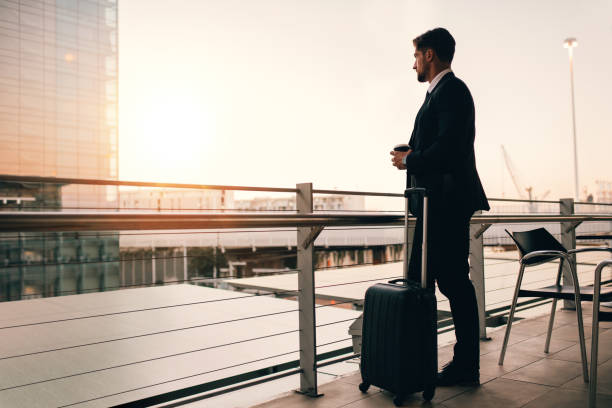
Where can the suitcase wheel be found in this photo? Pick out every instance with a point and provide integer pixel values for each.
(398, 400)
(363, 387)
(428, 394)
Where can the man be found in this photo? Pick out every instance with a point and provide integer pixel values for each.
(441, 159)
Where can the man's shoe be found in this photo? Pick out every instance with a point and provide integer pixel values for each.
(452, 374)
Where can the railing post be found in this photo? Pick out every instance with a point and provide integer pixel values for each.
(45, 278)
(306, 297)
(568, 240)
(477, 275)
(133, 262)
(185, 262)
(102, 278)
(21, 267)
(153, 262)
(144, 268)
(59, 283)
(81, 268)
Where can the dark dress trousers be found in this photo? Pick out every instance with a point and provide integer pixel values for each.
(443, 161)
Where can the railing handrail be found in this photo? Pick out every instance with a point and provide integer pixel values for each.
(101, 182)
(53, 221)
(520, 200)
(590, 203)
(352, 192)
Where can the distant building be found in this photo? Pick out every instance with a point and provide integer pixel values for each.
(604, 191)
(58, 118)
(320, 203)
(165, 199)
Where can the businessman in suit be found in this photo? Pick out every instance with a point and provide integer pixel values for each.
(441, 158)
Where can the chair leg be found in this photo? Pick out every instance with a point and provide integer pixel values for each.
(595, 334)
(585, 370)
(551, 321)
(553, 309)
(594, 347)
(511, 315)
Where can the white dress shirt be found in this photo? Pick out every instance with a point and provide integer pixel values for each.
(437, 79)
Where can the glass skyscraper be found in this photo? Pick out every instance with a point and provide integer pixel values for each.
(58, 94)
(58, 118)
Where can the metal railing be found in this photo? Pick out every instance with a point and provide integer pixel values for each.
(308, 224)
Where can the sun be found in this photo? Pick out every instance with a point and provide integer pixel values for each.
(177, 127)
(175, 132)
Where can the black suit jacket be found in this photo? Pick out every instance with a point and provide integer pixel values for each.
(443, 159)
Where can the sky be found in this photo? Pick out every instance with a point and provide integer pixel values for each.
(278, 92)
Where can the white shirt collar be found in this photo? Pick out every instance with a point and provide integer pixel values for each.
(437, 79)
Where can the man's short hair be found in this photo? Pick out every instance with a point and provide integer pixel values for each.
(439, 40)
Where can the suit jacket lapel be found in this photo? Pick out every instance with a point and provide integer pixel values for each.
(415, 131)
(428, 96)
(445, 78)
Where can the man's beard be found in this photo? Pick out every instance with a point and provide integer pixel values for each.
(422, 76)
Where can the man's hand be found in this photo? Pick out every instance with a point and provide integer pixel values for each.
(397, 159)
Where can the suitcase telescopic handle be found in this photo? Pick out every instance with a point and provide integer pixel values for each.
(421, 191)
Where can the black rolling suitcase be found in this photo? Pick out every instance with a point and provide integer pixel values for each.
(399, 350)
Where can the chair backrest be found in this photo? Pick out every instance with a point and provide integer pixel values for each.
(536, 240)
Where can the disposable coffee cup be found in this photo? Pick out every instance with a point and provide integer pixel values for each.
(401, 148)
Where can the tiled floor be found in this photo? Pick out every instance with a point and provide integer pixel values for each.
(528, 378)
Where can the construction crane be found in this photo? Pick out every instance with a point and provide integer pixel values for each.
(517, 183)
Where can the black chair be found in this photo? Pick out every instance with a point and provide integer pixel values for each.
(597, 316)
(535, 248)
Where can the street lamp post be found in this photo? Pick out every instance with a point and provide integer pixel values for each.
(570, 43)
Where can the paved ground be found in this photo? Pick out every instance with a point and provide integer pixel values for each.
(529, 377)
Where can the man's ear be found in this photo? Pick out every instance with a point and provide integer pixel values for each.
(429, 55)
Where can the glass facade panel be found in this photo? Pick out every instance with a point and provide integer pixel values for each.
(9, 14)
(32, 76)
(31, 47)
(67, 157)
(33, 4)
(31, 159)
(110, 17)
(31, 102)
(9, 99)
(9, 167)
(87, 83)
(71, 5)
(9, 42)
(9, 67)
(88, 8)
(66, 80)
(66, 28)
(32, 130)
(88, 59)
(50, 24)
(33, 20)
(87, 33)
(8, 125)
(9, 155)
